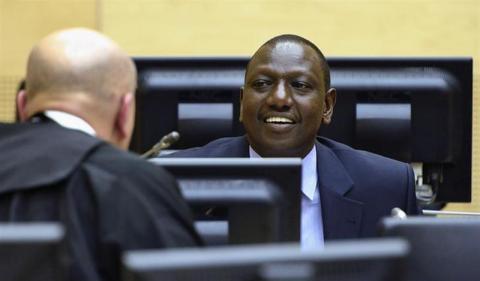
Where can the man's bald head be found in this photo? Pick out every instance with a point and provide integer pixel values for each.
(79, 60)
(84, 73)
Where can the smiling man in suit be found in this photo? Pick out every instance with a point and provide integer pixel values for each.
(285, 99)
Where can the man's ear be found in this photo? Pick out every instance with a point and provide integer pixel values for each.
(329, 104)
(241, 99)
(21, 105)
(122, 120)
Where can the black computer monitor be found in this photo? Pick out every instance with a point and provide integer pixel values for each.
(32, 252)
(366, 260)
(441, 248)
(413, 110)
(197, 97)
(410, 109)
(254, 200)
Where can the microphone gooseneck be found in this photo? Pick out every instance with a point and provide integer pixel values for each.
(165, 142)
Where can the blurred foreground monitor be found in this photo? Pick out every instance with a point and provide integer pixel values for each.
(32, 252)
(366, 260)
(442, 249)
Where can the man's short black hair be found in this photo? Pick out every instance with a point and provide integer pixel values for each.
(300, 40)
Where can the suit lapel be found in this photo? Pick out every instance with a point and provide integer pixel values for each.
(238, 147)
(341, 216)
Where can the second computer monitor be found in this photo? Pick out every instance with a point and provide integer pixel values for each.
(260, 198)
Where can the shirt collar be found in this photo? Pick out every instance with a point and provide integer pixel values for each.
(309, 171)
(70, 121)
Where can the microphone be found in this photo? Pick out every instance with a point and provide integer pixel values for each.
(398, 213)
(165, 142)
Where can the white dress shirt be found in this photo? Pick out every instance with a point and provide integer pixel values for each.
(70, 121)
(311, 232)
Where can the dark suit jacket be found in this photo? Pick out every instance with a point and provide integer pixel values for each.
(108, 200)
(357, 188)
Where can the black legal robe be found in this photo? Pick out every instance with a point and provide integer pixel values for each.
(108, 200)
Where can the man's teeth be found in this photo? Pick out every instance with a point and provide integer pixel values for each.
(278, 120)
